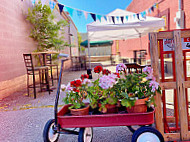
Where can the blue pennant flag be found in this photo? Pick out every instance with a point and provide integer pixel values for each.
(138, 16)
(113, 19)
(152, 8)
(93, 16)
(33, 2)
(99, 17)
(79, 13)
(127, 17)
(134, 16)
(122, 18)
(52, 4)
(105, 18)
(60, 7)
(149, 10)
(117, 18)
(70, 10)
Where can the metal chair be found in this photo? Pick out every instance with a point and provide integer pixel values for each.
(51, 67)
(33, 71)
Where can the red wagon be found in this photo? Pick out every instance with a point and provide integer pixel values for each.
(62, 121)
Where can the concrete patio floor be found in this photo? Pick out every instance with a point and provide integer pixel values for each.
(22, 118)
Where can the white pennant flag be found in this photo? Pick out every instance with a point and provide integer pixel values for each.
(43, 2)
(85, 14)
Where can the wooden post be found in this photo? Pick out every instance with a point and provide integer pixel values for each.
(155, 66)
(180, 85)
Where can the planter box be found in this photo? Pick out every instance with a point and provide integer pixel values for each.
(103, 120)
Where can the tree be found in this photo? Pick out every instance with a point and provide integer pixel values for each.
(45, 30)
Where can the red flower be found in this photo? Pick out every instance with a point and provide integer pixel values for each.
(83, 76)
(117, 75)
(76, 83)
(98, 69)
(106, 71)
(76, 90)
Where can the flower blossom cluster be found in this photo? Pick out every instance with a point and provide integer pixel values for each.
(153, 83)
(120, 67)
(107, 81)
(76, 84)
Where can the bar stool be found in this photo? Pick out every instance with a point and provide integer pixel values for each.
(32, 71)
(51, 67)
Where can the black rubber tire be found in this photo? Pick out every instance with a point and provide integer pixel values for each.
(46, 131)
(145, 129)
(133, 129)
(81, 134)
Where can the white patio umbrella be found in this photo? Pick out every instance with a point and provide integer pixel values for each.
(131, 28)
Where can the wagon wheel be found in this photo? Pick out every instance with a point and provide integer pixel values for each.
(147, 134)
(49, 135)
(133, 128)
(85, 134)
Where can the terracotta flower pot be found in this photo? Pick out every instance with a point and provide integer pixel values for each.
(80, 111)
(110, 108)
(139, 107)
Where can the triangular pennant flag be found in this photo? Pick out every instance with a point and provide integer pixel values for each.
(99, 17)
(122, 18)
(134, 16)
(154, 5)
(70, 10)
(152, 8)
(157, 5)
(110, 19)
(43, 2)
(33, 2)
(138, 16)
(85, 14)
(105, 18)
(93, 16)
(52, 4)
(60, 7)
(127, 17)
(144, 14)
(117, 18)
(113, 19)
(149, 10)
(79, 13)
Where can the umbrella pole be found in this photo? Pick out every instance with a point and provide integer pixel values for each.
(89, 53)
(89, 71)
(140, 40)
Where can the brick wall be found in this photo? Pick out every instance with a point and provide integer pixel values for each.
(167, 8)
(14, 41)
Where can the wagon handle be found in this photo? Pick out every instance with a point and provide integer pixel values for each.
(58, 91)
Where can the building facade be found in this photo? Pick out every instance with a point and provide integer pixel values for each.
(176, 14)
(15, 40)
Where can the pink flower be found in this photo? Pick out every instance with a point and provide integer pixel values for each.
(149, 72)
(154, 85)
(68, 87)
(86, 81)
(107, 81)
(120, 67)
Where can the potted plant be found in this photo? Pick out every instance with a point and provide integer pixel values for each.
(76, 93)
(101, 93)
(137, 91)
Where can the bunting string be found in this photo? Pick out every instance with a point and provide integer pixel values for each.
(110, 19)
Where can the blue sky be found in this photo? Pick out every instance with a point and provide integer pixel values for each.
(95, 6)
